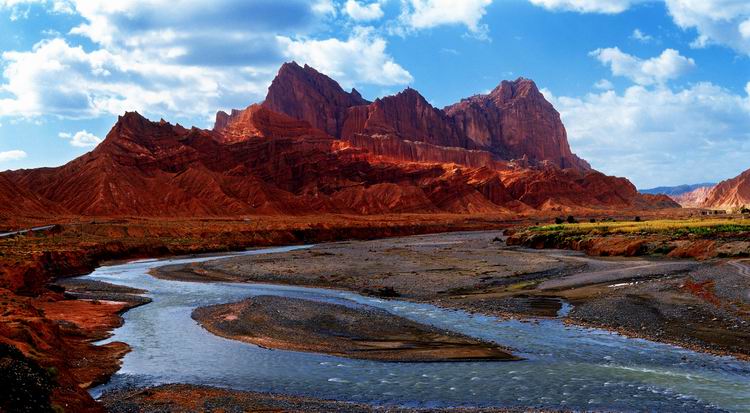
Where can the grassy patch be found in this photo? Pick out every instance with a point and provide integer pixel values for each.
(522, 285)
(699, 227)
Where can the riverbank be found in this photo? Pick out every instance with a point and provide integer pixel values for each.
(56, 334)
(699, 238)
(477, 275)
(184, 398)
(45, 322)
(359, 332)
(698, 305)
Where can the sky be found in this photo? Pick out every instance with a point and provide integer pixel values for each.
(657, 91)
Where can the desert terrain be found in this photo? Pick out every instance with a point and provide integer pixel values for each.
(363, 182)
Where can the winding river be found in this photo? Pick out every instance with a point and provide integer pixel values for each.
(565, 367)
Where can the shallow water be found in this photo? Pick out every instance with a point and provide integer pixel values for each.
(566, 367)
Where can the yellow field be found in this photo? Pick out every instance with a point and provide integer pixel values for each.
(697, 226)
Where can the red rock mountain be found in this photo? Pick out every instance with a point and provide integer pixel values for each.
(15, 200)
(311, 147)
(514, 121)
(306, 94)
(730, 194)
(694, 198)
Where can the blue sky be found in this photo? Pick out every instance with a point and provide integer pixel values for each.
(656, 91)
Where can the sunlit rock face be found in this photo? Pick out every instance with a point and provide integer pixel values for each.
(512, 122)
(730, 194)
(312, 147)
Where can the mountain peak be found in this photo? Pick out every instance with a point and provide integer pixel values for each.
(131, 118)
(133, 129)
(509, 90)
(532, 128)
(306, 94)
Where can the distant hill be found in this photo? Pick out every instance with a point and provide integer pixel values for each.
(688, 196)
(675, 190)
(731, 194)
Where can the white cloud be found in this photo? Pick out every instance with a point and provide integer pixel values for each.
(324, 7)
(20, 9)
(604, 84)
(745, 29)
(723, 22)
(81, 139)
(587, 6)
(425, 14)
(58, 79)
(658, 136)
(640, 36)
(363, 12)
(669, 65)
(13, 155)
(184, 64)
(335, 58)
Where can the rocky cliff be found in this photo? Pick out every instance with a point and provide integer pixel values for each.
(514, 121)
(312, 148)
(730, 194)
(306, 94)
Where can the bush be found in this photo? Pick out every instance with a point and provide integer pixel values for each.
(745, 210)
(571, 219)
(637, 219)
(24, 385)
(592, 220)
(559, 221)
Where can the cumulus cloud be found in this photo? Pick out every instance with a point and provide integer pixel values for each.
(587, 6)
(659, 136)
(425, 14)
(20, 9)
(724, 22)
(656, 70)
(324, 7)
(334, 57)
(640, 36)
(56, 78)
(81, 139)
(604, 84)
(13, 155)
(185, 63)
(363, 12)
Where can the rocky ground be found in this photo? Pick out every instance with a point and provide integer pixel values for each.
(707, 308)
(53, 334)
(702, 305)
(360, 332)
(182, 398)
(436, 268)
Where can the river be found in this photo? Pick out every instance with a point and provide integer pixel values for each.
(564, 366)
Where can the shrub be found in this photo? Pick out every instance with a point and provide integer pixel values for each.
(24, 385)
(571, 219)
(559, 221)
(637, 219)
